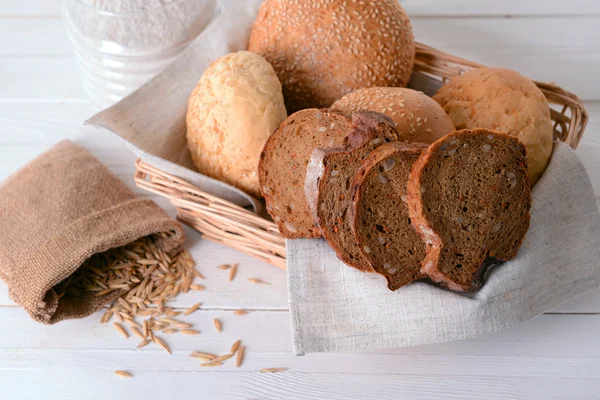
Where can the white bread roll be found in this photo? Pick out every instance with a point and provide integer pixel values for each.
(505, 101)
(233, 110)
(417, 116)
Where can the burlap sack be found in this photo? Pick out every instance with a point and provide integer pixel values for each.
(55, 213)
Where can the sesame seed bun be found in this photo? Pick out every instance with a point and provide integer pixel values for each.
(417, 116)
(505, 101)
(322, 50)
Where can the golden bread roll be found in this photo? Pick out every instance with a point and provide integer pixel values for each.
(417, 116)
(233, 110)
(505, 101)
(322, 50)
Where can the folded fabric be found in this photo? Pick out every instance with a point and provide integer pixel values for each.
(339, 309)
(55, 213)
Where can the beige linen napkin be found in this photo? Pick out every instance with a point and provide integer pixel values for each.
(152, 119)
(336, 308)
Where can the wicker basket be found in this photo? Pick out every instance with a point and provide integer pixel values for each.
(226, 223)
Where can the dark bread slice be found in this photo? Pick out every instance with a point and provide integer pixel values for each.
(469, 200)
(379, 214)
(282, 166)
(329, 178)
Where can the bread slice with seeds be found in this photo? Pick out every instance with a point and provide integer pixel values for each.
(379, 214)
(282, 166)
(469, 200)
(330, 174)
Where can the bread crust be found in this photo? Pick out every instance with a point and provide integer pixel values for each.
(417, 116)
(369, 130)
(319, 50)
(394, 280)
(282, 175)
(429, 232)
(504, 101)
(232, 111)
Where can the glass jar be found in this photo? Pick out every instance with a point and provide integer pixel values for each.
(120, 44)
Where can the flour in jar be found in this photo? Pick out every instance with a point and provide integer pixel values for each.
(138, 27)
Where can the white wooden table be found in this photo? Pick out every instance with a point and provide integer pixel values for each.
(555, 356)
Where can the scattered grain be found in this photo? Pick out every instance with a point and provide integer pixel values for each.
(143, 343)
(136, 331)
(120, 329)
(258, 281)
(192, 309)
(124, 374)
(236, 346)
(223, 358)
(161, 343)
(273, 369)
(181, 325)
(223, 266)
(240, 356)
(232, 272)
(214, 364)
(189, 332)
(217, 325)
(202, 354)
(240, 312)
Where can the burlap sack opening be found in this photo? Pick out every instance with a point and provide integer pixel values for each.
(57, 212)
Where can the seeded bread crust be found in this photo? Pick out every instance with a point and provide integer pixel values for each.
(469, 200)
(379, 214)
(504, 101)
(329, 177)
(322, 50)
(282, 166)
(417, 116)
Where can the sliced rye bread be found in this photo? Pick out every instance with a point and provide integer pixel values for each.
(379, 214)
(329, 178)
(469, 200)
(282, 166)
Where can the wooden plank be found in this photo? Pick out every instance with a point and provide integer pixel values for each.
(415, 8)
(560, 354)
(39, 78)
(25, 36)
(550, 345)
(101, 384)
(531, 46)
(505, 8)
(38, 36)
(31, 8)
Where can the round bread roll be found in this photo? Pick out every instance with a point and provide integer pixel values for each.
(233, 110)
(322, 50)
(417, 116)
(505, 101)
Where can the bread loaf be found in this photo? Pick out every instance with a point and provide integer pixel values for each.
(379, 214)
(469, 200)
(233, 110)
(322, 50)
(282, 167)
(330, 174)
(417, 116)
(505, 101)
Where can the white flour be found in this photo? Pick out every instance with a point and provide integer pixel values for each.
(137, 27)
